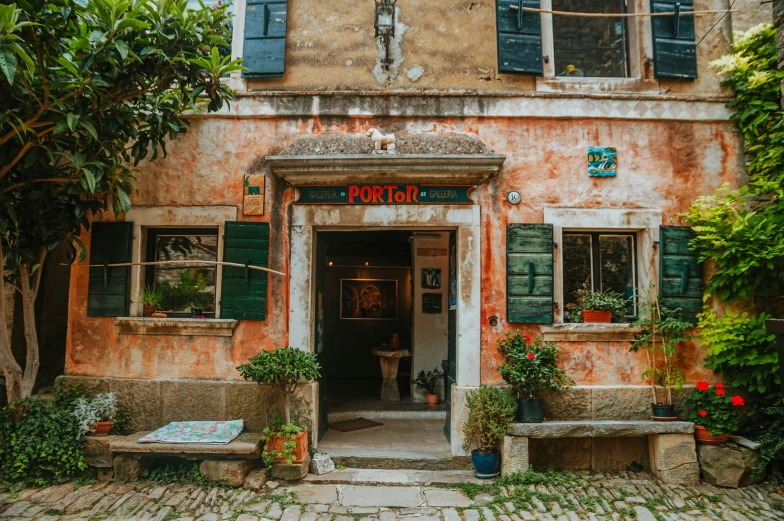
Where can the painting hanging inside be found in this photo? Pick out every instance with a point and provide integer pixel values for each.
(602, 161)
(368, 299)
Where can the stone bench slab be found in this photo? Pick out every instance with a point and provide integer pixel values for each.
(246, 446)
(598, 429)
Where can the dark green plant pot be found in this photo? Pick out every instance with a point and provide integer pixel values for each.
(663, 411)
(530, 410)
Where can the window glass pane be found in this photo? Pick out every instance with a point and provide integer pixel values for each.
(589, 47)
(185, 289)
(576, 267)
(616, 264)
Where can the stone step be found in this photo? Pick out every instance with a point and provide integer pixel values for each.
(365, 476)
(398, 460)
(341, 416)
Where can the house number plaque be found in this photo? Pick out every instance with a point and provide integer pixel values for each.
(385, 194)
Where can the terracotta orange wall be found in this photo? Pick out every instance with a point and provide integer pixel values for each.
(663, 165)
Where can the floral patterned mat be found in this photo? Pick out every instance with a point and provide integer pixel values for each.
(196, 432)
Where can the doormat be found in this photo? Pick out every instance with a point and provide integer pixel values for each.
(353, 425)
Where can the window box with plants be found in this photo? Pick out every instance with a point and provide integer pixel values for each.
(285, 441)
(429, 381)
(662, 330)
(602, 306)
(490, 412)
(715, 414)
(529, 366)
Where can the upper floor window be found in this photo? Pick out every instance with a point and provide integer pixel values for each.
(590, 47)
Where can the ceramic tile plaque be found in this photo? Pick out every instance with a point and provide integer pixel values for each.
(253, 195)
(602, 161)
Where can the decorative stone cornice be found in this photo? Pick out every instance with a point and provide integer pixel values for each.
(384, 168)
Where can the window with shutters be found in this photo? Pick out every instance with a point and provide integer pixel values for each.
(188, 290)
(598, 261)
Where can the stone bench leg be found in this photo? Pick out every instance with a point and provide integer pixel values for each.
(127, 468)
(514, 454)
(674, 458)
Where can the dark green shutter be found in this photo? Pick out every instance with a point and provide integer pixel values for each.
(674, 45)
(244, 291)
(519, 37)
(529, 273)
(109, 290)
(680, 272)
(264, 50)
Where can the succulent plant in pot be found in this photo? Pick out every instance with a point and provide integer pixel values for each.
(429, 382)
(531, 365)
(490, 412)
(600, 306)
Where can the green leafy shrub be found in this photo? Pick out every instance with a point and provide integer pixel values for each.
(429, 380)
(289, 432)
(490, 412)
(38, 439)
(603, 301)
(765, 424)
(741, 350)
(531, 365)
(714, 409)
(662, 330)
(283, 367)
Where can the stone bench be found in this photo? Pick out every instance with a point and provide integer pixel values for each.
(124, 458)
(671, 445)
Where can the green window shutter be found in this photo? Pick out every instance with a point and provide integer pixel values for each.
(674, 45)
(264, 50)
(680, 272)
(109, 289)
(244, 291)
(519, 38)
(529, 273)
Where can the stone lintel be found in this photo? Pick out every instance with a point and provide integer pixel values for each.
(598, 429)
(246, 446)
(385, 168)
(175, 326)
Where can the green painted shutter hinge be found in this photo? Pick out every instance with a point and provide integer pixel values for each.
(676, 20)
(684, 277)
(105, 273)
(530, 277)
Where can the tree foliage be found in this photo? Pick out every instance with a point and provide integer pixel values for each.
(90, 88)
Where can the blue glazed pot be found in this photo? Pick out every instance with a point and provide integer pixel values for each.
(486, 466)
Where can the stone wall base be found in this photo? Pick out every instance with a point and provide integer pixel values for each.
(158, 402)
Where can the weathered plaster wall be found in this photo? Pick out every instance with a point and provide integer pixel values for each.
(445, 45)
(663, 164)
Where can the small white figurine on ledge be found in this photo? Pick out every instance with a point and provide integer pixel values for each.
(382, 142)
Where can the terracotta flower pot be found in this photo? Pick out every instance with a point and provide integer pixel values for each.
(148, 310)
(706, 438)
(300, 451)
(604, 317)
(432, 399)
(102, 428)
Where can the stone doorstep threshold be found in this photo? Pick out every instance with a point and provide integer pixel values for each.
(397, 460)
(400, 477)
(175, 326)
(339, 416)
(598, 429)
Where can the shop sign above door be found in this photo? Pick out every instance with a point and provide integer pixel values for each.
(385, 194)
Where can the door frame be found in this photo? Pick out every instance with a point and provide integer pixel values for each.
(306, 220)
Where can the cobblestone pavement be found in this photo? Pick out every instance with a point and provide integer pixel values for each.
(568, 497)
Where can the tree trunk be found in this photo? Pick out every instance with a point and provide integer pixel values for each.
(29, 292)
(11, 368)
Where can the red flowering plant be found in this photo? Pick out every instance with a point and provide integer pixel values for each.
(531, 364)
(714, 409)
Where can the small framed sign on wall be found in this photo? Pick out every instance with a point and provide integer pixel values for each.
(431, 303)
(431, 278)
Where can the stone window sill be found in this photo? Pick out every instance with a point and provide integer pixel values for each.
(597, 85)
(175, 326)
(589, 332)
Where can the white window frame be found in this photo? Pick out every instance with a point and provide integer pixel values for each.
(640, 52)
(146, 217)
(645, 223)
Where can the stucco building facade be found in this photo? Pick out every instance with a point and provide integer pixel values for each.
(463, 116)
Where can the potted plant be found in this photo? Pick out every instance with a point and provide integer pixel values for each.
(150, 299)
(95, 417)
(283, 367)
(429, 381)
(528, 367)
(600, 306)
(714, 413)
(490, 412)
(661, 332)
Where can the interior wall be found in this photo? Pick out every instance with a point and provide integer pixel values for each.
(430, 341)
(347, 343)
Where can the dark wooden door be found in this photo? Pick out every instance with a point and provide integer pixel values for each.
(450, 371)
(321, 284)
